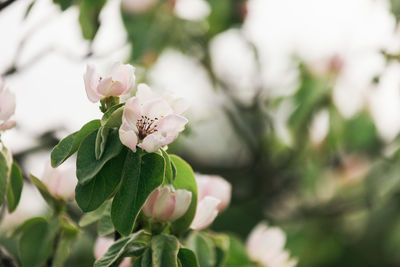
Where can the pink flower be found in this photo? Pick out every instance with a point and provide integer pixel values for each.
(150, 121)
(102, 245)
(167, 204)
(214, 186)
(7, 107)
(206, 212)
(266, 246)
(60, 181)
(214, 195)
(120, 82)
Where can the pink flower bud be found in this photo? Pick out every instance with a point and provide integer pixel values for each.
(206, 212)
(102, 245)
(7, 107)
(266, 246)
(120, 82)
(214, 186)
(167, 204)
(60, 181)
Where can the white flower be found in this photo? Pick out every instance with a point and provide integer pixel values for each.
(120, 82)
(266, 246)
(214, 186)
(192, 9)
(167, 204)
(102, 245)
(206, 212)
(150, 121)
(7, 107)
(60, 181)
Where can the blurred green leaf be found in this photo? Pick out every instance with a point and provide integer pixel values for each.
(203, 247)
(4, 172)
(187, 258)
(15, 186)
(89, 11)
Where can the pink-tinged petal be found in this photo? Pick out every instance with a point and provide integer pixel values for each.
(124, 74)
(128, 137)
(215, 186)
(157, 108)
(178, 104)
(171, 125)
(144, 93)
(116, 89)
(91, 79)
(132, 112)
(126, 262)
(151, 143)
(7, 125)
(183, 200)
(101, 246)
(104, 87)
(60, 181)
(7, 104)
(148, 206)
(165, 204)
(207, 211)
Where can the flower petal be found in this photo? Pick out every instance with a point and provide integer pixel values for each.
(7, 125)
(104, 87)
(215, 186)
(148, 206)
(183, 200)
(128, 137)
(124, 74)
(165, 204)
(178, 104)
(206, 212)
(7, 104)
(151, 143)
(144, 93)
(91, 79)
(157, 108)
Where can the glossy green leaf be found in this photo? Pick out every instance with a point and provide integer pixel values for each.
(3, 177)
(204, 248)
(184, 180)
(141, 175)
(168, 175)
(14, 187)
(164, 250)
(32, 253)
(94, 216)
(87, 166)
(118, 249)
(89, 11)
(113, 117)
(144, 260)
(101, 141)
(70, 144)
(188, 258)
(91, 195)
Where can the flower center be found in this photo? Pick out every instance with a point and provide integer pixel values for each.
(146, 126)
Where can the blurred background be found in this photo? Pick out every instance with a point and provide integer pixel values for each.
(295, 102)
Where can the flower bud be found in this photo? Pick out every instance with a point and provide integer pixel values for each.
(120, 82)
(167, 204)
(266, 246)
(60, 181)
(206, 212)
(214, 186)
(102, 245)
(7, 107)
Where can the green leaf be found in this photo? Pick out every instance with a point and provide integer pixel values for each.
(118, 249)
(71, 143)
(237, 255)
(184, 180)
(164, 250)
(64, 4)
(44, 191)
(141, 175)
(105, 225)
(94, 216)
(14, 187)
(86, 164)
(221, 242)
(3, 177)
(144, 260)
(63, 250)
(168, 175)
(204, 248)
(91, 195)
(89, 11)
(32, 253)
(113, 117)
(188, 258)
(101, 141)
